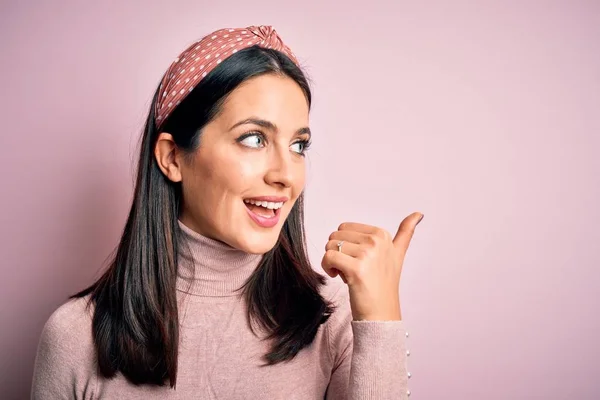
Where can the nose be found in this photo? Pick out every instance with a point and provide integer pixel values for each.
(280, 171)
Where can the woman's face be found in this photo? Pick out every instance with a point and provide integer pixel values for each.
(253, 151)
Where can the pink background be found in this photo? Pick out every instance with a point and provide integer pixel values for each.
(484, 117)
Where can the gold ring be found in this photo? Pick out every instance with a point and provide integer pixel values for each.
(339, 245)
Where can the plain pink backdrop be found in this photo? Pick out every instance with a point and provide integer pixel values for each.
(484, 117)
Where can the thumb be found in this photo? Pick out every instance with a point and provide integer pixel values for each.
(406, 231)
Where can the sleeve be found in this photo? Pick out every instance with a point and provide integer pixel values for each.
(64, 363)
(369, 357)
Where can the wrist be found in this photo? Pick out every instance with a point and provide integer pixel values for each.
(394, 316)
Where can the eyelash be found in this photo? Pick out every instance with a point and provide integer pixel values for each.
(305, 143)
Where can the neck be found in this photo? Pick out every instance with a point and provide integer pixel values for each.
(208, 267)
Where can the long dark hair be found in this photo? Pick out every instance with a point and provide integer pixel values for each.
(135, 323)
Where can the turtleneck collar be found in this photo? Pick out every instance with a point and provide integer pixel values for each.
(207, 267)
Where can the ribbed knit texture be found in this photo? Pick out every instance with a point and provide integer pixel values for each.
(219, 357)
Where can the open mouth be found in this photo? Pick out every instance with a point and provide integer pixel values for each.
(265, 209)
(263, 212)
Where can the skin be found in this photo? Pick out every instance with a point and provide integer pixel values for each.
(224, 171)
(370, 263)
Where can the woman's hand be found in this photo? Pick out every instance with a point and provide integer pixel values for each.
(370, 263)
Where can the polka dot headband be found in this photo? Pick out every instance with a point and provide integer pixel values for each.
(203, 56)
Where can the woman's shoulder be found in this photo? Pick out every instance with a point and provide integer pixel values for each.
(65, 360)
(68, 330)
(75, 315)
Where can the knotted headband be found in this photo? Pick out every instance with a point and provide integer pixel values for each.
(203, 56)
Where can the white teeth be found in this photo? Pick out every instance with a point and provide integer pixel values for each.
(267, 204)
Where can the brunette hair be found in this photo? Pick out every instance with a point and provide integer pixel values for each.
(135, 322)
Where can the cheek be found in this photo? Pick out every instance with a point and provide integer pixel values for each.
(205, 185)
(248, 169)
(232, 179)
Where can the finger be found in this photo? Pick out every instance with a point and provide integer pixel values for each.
(335, 262)
(357, 227)
(349, 248)
(406, 231)
(351, 236)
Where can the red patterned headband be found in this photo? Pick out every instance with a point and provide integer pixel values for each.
(203, 56)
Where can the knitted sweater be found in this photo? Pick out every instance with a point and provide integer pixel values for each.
(219, 356)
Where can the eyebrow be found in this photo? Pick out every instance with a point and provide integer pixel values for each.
(268, 125)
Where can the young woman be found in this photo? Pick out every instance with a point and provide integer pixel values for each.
(210, 294)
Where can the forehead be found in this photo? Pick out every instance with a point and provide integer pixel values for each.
(278, 99)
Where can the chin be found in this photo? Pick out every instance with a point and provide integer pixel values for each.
(255, 239)
(259, 244)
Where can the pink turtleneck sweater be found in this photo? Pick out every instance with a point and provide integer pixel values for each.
(219, 357)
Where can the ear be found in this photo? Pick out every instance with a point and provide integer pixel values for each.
(166, 152)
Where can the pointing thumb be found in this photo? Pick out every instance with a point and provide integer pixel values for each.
(406, 231)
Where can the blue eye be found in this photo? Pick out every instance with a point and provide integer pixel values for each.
(254, 140)
(301, 145)
(257, 140)
(304, 145)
